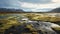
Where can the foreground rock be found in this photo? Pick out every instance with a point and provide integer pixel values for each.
(33, 27)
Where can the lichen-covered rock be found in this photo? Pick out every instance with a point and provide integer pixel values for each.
(30, 27)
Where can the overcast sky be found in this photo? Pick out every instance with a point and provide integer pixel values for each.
(31, 5)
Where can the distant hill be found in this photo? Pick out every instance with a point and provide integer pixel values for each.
(10, 10)
(57, 10)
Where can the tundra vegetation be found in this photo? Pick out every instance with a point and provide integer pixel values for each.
(9, 20)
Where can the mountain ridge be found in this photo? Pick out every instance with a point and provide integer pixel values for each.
(10, 10)
(56, 10)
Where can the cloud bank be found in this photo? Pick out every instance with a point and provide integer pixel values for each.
(34, 7)
(31, 5)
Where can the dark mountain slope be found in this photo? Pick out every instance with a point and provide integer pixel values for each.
(10, 10)
(57, 10)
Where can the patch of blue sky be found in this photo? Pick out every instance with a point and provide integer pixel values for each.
(9, 3)
(36, 1)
